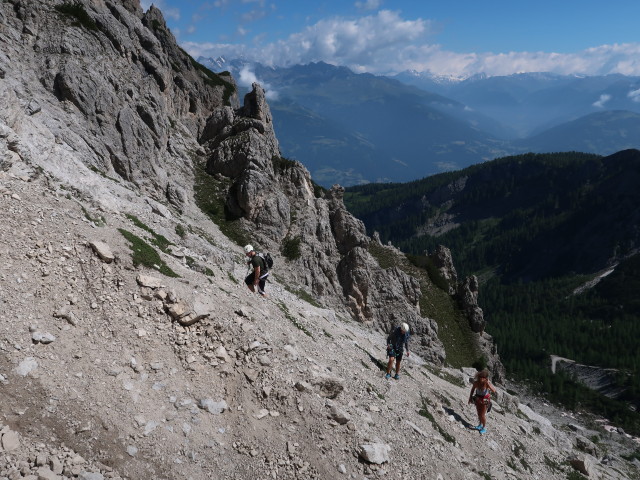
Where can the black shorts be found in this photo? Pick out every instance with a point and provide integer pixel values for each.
(393, 353)
(261, 283)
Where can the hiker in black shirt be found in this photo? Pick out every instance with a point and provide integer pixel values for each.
(397, 341)
(258, 277)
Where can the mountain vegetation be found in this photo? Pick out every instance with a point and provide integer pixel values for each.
(535, 228)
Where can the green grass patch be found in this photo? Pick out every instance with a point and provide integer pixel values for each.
(210, 195)
(282, 164)
(446, 376)
(232, 278)
(180, 231)
(554, 466)
(372, 389)
(327, 334)
(102, 174)
(365, 365)
(511, 463)
(632, 456)
(318, 190)
(78, 14)
(303, 295)
(291, 248)
(145, 255)
(158, 240)
(574, 475)
(424, 411)
(293, 319)
(486, 476)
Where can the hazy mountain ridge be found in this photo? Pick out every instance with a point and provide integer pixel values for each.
(395, 119)
(445, 124)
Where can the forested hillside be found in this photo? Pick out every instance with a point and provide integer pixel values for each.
(534, 228)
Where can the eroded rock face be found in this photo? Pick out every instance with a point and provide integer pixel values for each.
(467, 295)
(275, 199)
(443, 261)
(125, 81)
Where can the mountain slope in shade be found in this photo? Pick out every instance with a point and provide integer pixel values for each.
(602, 133)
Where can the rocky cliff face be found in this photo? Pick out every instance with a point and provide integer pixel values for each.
(277, 202)
(110, 84)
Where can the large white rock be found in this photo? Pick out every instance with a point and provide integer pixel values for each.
(26, 366)
(102, 250)
(213, 407)
(149, 281)
(374, 452)
(10, 441)
(531, 415)
(584, 463)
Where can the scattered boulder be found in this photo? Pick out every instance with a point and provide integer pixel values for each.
(329, 387)
(149, 281)
(584, 463)
(339, 415)
(586, 445)
(10, 441)
(26, 366)
(376, 453)
(213, 407)
(102, 250)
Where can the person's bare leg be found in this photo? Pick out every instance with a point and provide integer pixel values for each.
(482, 414)
(390, 365)
(398, 367)
(479, 410)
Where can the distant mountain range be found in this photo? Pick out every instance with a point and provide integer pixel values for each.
(354, 129)
(532, 102)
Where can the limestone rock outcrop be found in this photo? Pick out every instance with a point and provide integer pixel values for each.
(276, 201)
(117, 74)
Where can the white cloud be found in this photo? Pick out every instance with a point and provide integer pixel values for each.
(634, 95)
(604, 98)
(363, 44)
(369, 5)
(248, 77)
(191, 29)
(385, 43)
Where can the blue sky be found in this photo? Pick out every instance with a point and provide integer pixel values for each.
(457, 37)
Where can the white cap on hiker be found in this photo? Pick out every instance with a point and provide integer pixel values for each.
(248, 249)
(405, 328)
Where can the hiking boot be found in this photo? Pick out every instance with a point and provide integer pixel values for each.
(479, 427)
(396, 377)
(483, 431)
(387, 376)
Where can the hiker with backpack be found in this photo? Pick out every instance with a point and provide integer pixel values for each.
(258, 277)
(481, 395)
(397, 342)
